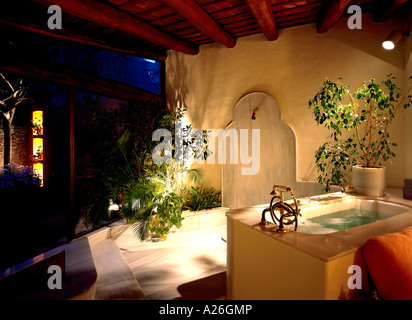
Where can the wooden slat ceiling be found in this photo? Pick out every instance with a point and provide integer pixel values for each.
(149, 28)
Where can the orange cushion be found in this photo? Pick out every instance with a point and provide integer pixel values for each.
(389, 262)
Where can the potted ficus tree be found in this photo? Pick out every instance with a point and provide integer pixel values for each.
(359, 141)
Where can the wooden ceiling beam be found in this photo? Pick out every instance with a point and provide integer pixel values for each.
(57, 73)
(134, 49)
(201, 19)
(386, 9)
(331, 14)
(264, 15)
(105, 15)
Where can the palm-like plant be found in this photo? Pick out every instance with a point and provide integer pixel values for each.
(154, 202)
(10, 97)
(150, 195)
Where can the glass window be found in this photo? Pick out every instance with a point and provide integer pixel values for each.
(135, 71)
(96, 121)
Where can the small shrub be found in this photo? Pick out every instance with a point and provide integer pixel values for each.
(15, 177)
(200, 198)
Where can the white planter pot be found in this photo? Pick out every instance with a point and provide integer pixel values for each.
(369, 181)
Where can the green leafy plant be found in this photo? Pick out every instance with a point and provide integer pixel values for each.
(154, 203)
(359, 123)
(121, 145)
(149, 195)
(152, 197)
(201, 198)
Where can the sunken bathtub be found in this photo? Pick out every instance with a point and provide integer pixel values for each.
(316, 261)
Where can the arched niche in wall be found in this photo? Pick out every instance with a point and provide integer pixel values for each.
(270, 145)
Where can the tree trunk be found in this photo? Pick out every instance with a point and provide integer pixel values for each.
(7, 141)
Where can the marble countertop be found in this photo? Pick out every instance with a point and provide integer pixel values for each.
(331, 246)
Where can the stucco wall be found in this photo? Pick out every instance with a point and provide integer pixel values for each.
(291, 69)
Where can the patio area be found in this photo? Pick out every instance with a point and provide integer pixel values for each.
(177, 115)
(187, 266)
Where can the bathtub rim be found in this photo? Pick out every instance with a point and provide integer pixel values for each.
(354, 202)
(327, 247)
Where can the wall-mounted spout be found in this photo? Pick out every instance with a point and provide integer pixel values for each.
(254, 113)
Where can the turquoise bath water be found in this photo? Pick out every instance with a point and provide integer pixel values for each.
(340, 220)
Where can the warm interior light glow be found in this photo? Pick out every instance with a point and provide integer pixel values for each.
(38, 151)
(388, 45)
(37, 130)
(37, 122)
(37, 145)
(38, 168)
(392, 39)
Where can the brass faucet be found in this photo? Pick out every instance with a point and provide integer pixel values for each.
(288, 214)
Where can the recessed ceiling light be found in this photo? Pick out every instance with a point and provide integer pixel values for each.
(392, 39)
